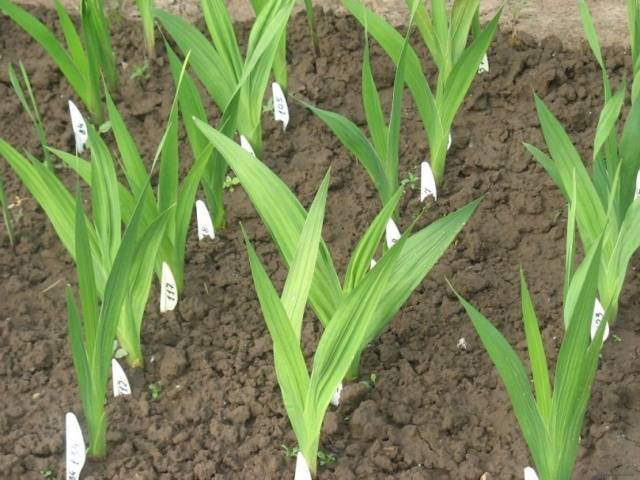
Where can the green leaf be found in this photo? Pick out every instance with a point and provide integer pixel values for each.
(340, 343)
(291, 369)
(421, 252)
(537, 358)
(78, 351)
(464, 71)
(393, 138)
(607, 122)
(355, 141)
(361, 258)
(205, 61)
(86, 277)
(372, 106)
(590, 33)
(629, 156)
(516, 382)
(221, 31)
(266, 191)
(392, 42)
(572, 379)
(104, 197)
(298, 283)
(590, 214)
(570, 243)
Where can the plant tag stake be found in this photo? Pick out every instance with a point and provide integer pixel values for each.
(530, 474)
(79, 127)
(205, 225)
(244, 143)
(637, 196)
(598, 315)
(74, 446)
(449, 142)
(392, 233)
(119, 380)
(168, 290)
(335, 399)
(302, 468)
(372, 264)
(427, 182)
(484, 64)
(280, 108)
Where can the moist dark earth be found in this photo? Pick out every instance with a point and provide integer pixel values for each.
(435, 411)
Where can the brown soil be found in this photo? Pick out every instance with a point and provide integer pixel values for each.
(435, 411)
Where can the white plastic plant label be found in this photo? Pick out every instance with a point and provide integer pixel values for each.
(302, 468)
(205, 225)
(449, 142)
(280, 107)
(392, 233)
(484, 64)
(598, 316)
(372, 264)
(168, 290)
(79, 127)
(637, 195)
(335, 399)
(244, 143)
(530, 474)
(75, 450)
(119, 380)
(427, 182)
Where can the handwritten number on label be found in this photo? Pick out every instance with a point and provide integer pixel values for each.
(119, 380)
(598, 316)
(75, 450)
(205, 225)
(392, 233)
(168, 290)
(427, 182)
(79, 127)
(280, 107)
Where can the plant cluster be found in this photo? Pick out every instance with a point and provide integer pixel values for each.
(140, 212)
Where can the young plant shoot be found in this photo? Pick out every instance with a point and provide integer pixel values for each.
(380, 156)
(220, 66)
(92, 327)
(169, 190)
(191, 107)
(113, 204)
(607, 203)
(82, 67)
(97, 36)
(551, 420)
(446, 36)
(306, 396)
(280, 60)
(284, 217)
(110, 204)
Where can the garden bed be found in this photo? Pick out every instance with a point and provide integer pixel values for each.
(426, 408)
